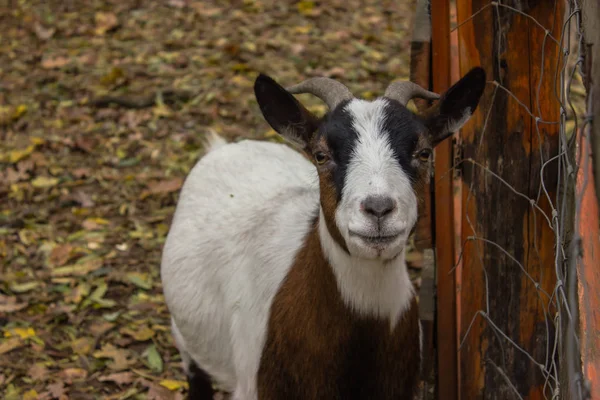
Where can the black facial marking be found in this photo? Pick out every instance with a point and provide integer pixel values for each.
(400, 125)
(403, 129)
(338, 130)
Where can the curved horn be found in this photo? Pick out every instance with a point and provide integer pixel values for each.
(404, 91)
(330, 91)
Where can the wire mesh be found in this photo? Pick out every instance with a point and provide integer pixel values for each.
(560, 306)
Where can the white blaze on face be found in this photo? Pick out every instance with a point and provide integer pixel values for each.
(373, 170)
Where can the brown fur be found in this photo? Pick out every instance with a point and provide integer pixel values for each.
(328, 192)
(317, 348)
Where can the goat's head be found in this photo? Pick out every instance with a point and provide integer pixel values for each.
(371, 156)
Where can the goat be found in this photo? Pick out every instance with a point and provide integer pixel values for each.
(284, 272)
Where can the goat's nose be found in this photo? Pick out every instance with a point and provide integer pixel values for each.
(378, 206)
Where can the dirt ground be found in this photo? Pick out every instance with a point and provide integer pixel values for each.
(103, 107)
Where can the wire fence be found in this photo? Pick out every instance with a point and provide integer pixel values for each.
(558, 207)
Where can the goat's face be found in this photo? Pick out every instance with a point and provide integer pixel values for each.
(372, 157)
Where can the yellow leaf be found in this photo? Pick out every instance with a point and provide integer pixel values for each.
(241, 81)
(305, 7)
(37, 140)
(44, 182)
(172, 384)
(23, 333)
(17, 155)
(303, 29)
(161, 110)
(113, 76)
(19, 111)
(30, 395)
(141, 335)
(105, 22)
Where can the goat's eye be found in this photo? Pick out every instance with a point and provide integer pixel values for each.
(424, 155)
(320, 157)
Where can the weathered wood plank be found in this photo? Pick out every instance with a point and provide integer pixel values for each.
(509, 46)
(444, 220)
(587, 268)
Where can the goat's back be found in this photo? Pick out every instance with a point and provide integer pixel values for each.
(243, 213)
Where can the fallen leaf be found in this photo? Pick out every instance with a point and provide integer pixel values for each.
(140, 335)
(81, 172)
(105, 22)
(154, 360)
(82, 346)
(56, 389)
(77, 294)
(140, 280)
(23, 333)
(9, 304)
(173, 384)
(177, 3)
(120, 378)
(17, 155)
(38, 372)
(19, 111)
(98, 328)
(113, 76)
(94, 223)
(80, 269)
(157, 392)
(44, 182)
(204, 10)
(10, 344)
(55, 62)
(306, 7)
(73, 374)
(164, 186)
(60, 254)
(30, 395)
(24, 287)
(118, 355)
(43, 33)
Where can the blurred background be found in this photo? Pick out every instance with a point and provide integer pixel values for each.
(103, 106)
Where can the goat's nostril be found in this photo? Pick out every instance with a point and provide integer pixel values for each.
(378, 206)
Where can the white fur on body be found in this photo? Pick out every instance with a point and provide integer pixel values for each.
(243, 214)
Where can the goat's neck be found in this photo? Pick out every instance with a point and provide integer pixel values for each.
(370, 287)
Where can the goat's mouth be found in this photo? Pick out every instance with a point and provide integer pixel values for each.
(378, 239)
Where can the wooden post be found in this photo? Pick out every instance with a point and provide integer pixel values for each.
(589, 221)
(420, 73)
(588, 273)
(447, 387)
(591, 25)
(509, 46)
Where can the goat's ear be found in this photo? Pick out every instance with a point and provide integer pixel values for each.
(283, 112)
(456, 106)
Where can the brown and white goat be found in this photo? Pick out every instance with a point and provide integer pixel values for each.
(286, 278)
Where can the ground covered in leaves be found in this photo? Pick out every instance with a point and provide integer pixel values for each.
(103, 107)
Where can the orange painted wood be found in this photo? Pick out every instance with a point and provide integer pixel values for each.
(588, 270)
(447, 387)
(509, 47)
